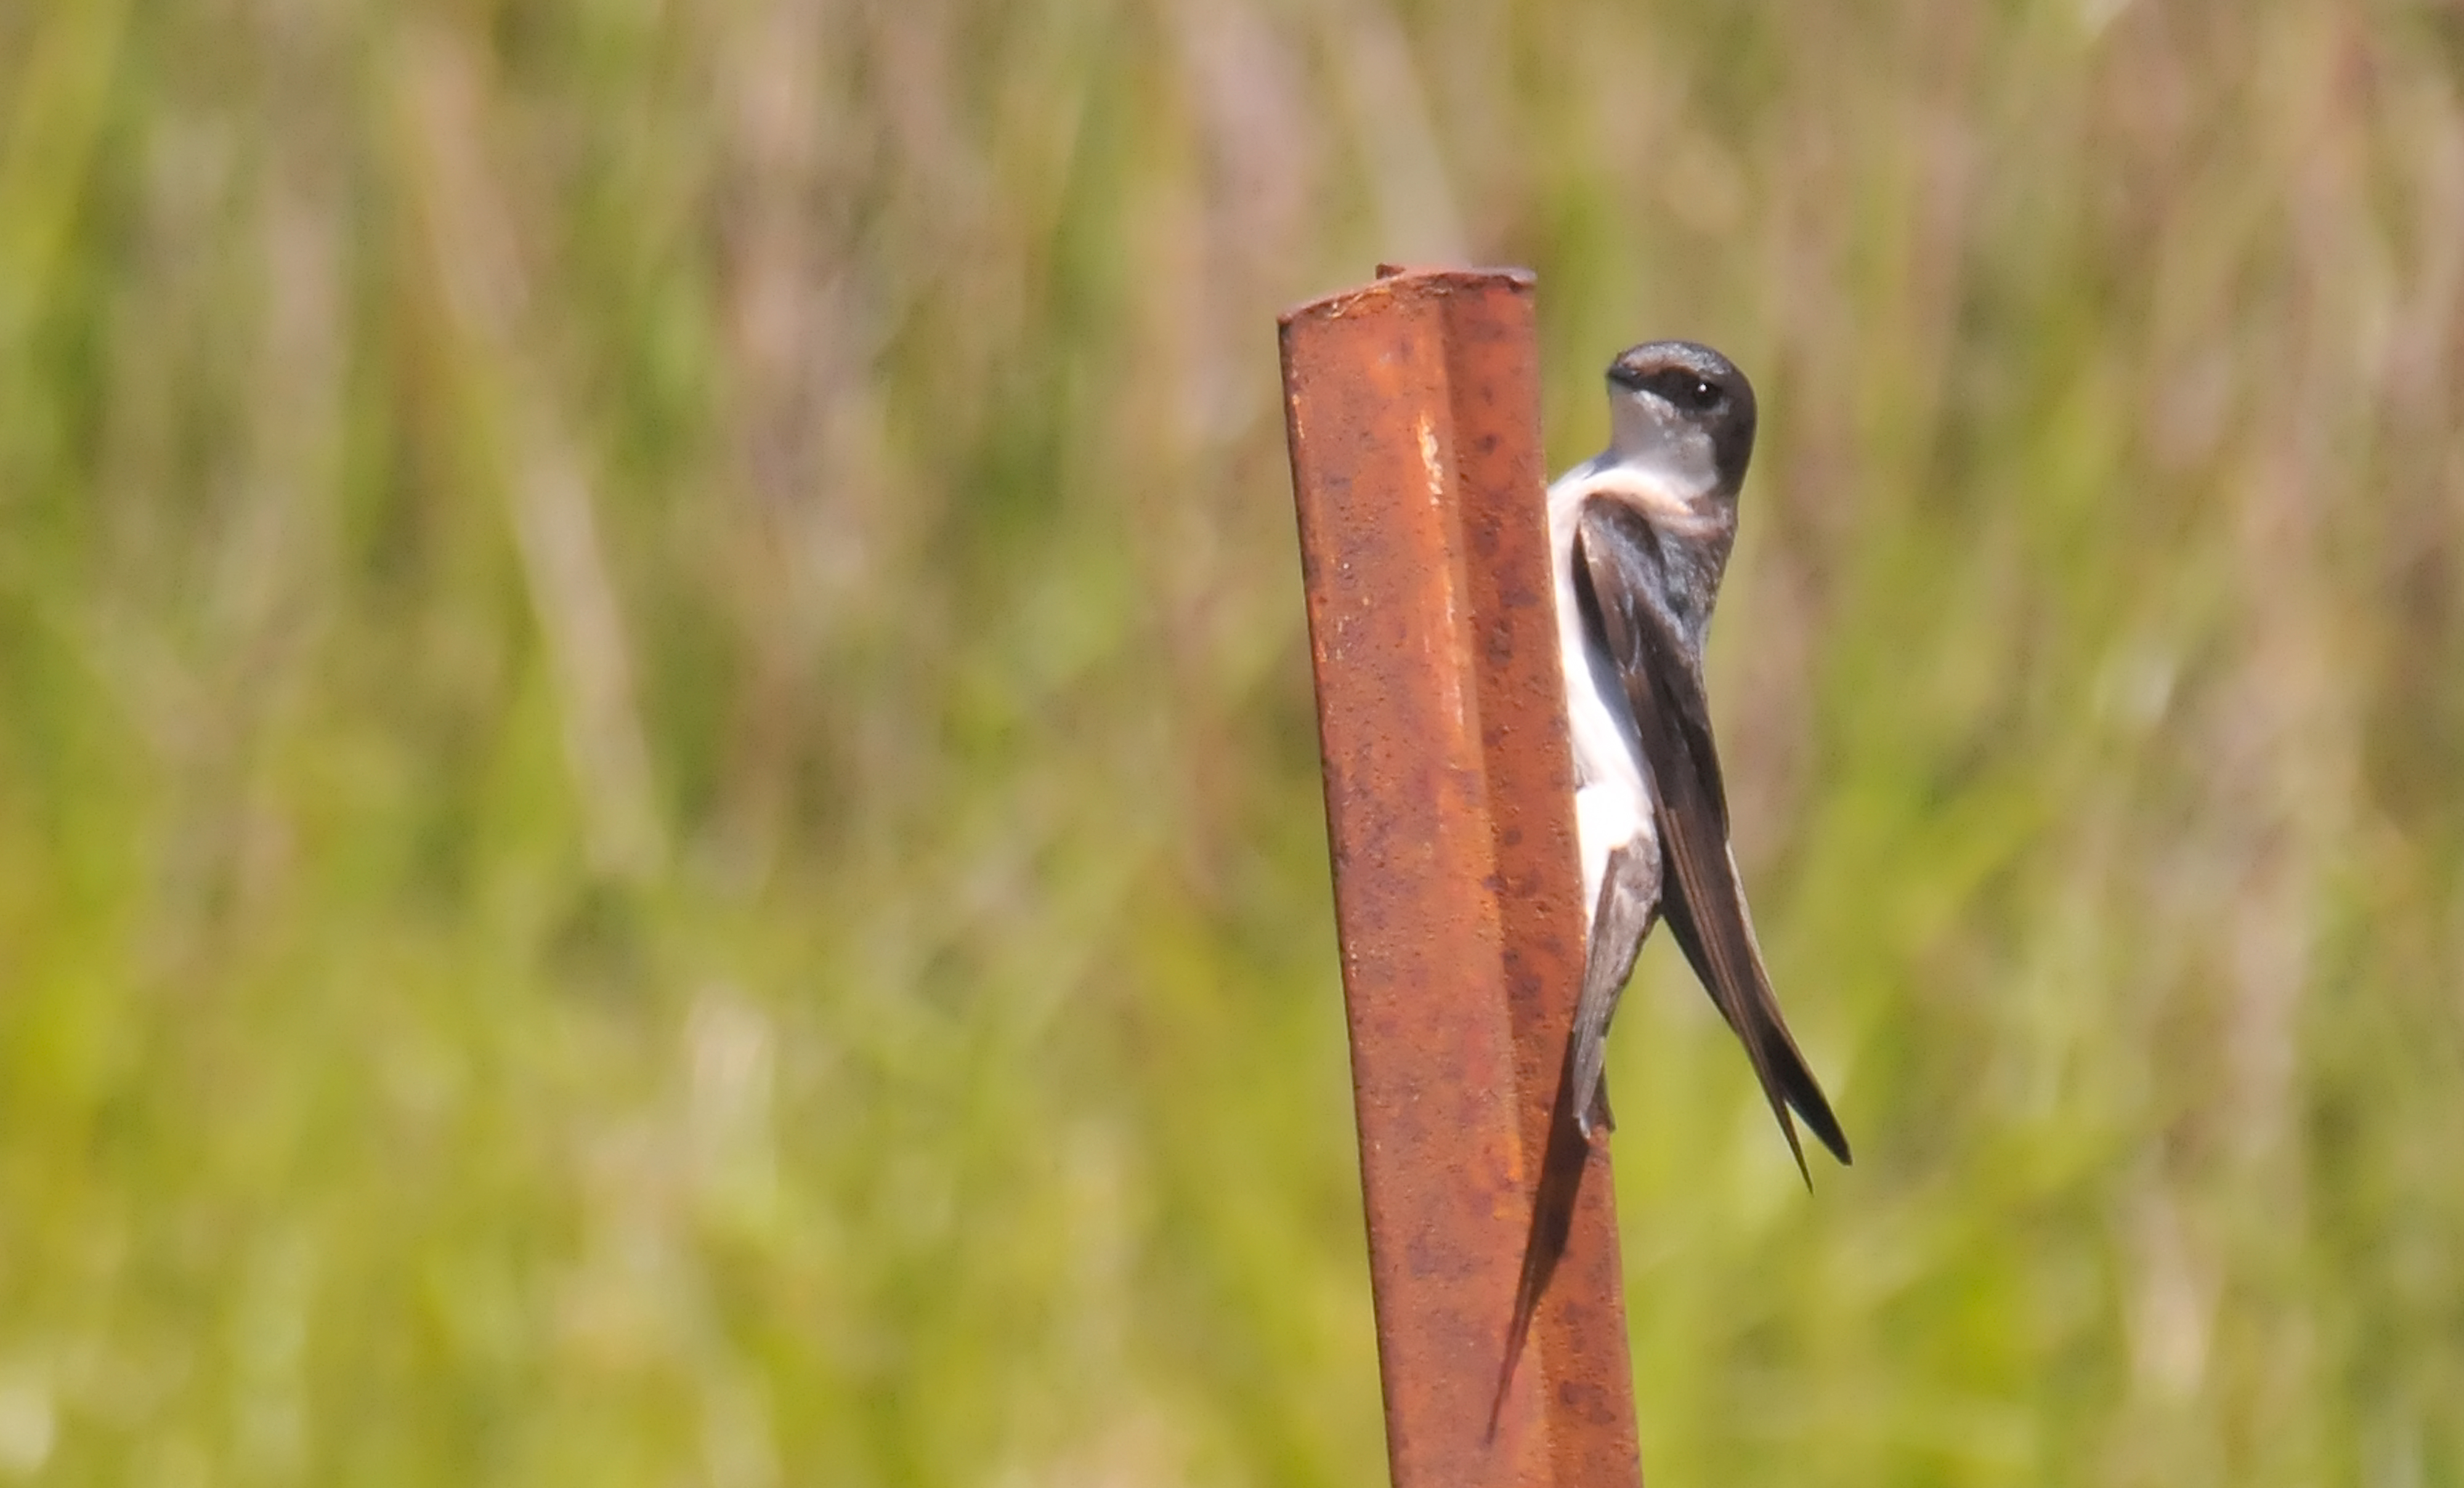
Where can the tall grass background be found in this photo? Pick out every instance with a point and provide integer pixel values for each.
(658, 805)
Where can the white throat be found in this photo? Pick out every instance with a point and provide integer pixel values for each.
(1646, 436)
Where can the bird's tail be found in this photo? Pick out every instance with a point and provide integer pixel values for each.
(1628, 907)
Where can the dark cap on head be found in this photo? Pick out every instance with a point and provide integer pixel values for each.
(1704, 388)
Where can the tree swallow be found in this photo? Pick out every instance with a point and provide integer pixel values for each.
(1640, 536)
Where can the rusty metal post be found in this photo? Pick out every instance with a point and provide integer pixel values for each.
(1413, 414)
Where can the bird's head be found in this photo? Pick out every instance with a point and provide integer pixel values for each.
(1684, 412)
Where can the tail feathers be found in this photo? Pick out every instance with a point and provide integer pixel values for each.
(1628, 905)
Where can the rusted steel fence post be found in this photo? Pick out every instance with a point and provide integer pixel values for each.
(1414, 413)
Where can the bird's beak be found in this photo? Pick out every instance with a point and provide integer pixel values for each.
(1625, 377)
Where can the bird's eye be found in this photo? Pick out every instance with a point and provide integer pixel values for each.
(1704, 395)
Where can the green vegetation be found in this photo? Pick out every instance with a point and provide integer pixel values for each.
(658, 809)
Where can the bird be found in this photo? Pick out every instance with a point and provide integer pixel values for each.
(1639, 537)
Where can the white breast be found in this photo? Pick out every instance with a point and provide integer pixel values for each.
(1613, 799)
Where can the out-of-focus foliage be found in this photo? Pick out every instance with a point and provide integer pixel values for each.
(658, 813)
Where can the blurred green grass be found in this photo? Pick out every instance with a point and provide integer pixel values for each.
(658, 811)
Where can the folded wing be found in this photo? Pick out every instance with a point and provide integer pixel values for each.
(1618, 561)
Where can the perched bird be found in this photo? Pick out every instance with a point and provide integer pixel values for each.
(1640, 536)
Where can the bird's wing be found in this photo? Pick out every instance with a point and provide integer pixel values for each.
(1617, 576)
